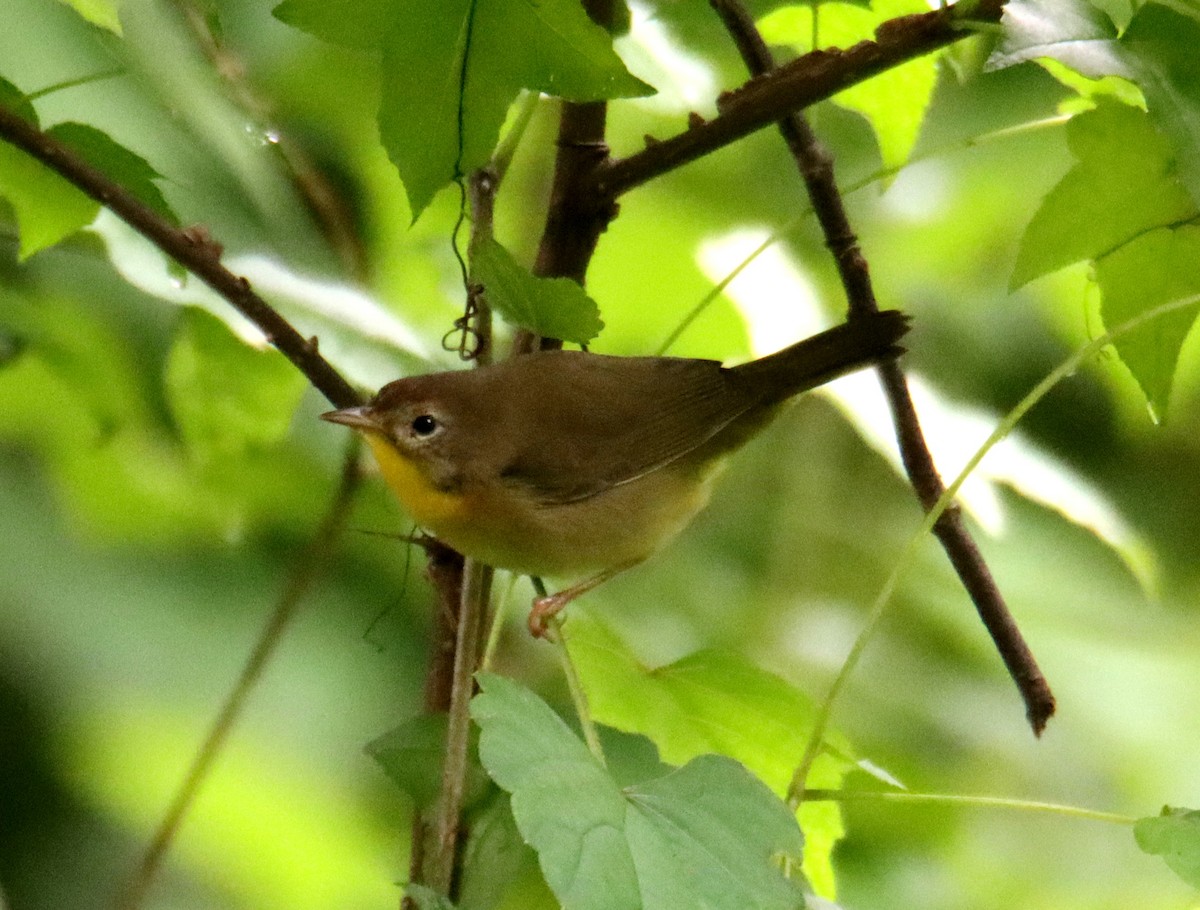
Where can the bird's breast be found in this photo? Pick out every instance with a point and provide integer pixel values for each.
(428, 505)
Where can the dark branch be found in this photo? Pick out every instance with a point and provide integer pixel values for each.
(577, 215)
(816, 167)
(190, 248)
(814, 77)
(445, 572)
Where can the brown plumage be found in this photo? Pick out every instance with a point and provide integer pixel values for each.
(574, 464)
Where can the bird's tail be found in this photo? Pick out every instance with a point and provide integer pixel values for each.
(859, 342)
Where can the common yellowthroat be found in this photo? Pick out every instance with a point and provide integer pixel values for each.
(569, 464)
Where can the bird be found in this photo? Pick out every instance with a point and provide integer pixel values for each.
(568, 464)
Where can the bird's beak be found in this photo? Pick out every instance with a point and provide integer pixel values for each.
(360, 418)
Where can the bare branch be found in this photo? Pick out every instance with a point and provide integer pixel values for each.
(814, 77)
(190, 248)
(816, 167)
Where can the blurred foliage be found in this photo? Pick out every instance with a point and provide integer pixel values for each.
(159, 474)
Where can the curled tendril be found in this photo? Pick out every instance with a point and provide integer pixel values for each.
(465, 338)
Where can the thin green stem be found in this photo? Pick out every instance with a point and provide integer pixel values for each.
(499, 616)
(73, 83)
(1003, 428)
(884, 173)
(578, 696)
(503, 156)
(719, 288)
(983, 802)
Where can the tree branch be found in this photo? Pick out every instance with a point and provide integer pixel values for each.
(444, 570)
(576, 217)
(577, 214)
(191, 249)
(816, 167)
(766, 98)
(464, 592)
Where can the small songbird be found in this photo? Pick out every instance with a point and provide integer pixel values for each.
(577, 465)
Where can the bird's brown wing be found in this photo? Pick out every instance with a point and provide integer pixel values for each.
(617, 419)
(614, 420)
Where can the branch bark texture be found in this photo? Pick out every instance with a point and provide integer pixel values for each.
(191, 249)
(768, 97)
(816, 167)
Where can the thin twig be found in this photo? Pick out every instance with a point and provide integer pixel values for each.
(816, 167)
(476, 590)
(481, 196)
(307, 567)
(465, 592)
(818, 75)
(1002, 429)
(444, 569)
(980, 802)
(191, 249)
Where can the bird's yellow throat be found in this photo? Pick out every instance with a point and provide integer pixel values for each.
(429, 506)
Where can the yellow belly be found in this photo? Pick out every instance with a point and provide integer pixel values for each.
(506, 527)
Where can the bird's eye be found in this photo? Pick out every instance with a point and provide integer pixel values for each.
(424, 425)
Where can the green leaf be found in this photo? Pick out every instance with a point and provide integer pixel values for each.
(411, 755)
(47, 208)
(552, 307)
(893, 102)
(1088, 91)
(1156, 268)
(1123, 185)
(451, 70)
(494, 854)
(1164, 45)
(354, 23)
(98, 12)
(16, 101)
(706, 835)
(1073, 32)
(1157, 52)
(1175, 836)
(121, 165)
(427, 899)
(712, 811)
(228, 398)
(719, 702)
